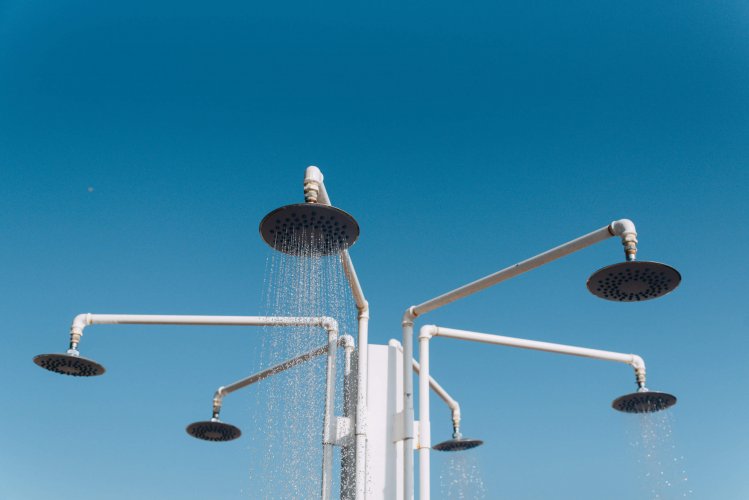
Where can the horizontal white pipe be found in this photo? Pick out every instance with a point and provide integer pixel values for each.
(437, 331)
(81, 321)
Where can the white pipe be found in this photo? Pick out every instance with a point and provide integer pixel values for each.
(425, 433)
(407, 324)
(428, 331)
(315, 192)
(345, 341)
(81, 321)
(348, 452)
(331, 325)
(624, 228)
(328, 418)
(436, 388)
(225, 390)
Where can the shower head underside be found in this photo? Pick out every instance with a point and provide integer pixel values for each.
(644, 402)
(213, 430)
(308, 229)
(457, 444)
(634, 281)
(69, 364)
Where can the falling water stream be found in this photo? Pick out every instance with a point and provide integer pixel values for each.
(287, 418)
(662, 467)
(460, 477)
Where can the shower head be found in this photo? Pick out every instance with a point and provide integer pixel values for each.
(633, 281)
(69, 364)
(213, 430)
(644, 401)
(309, 228)
(457, 444)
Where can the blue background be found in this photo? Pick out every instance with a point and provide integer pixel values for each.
(463, 137)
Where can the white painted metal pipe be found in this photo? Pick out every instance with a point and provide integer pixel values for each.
(407, 324)
(624, 228)
(425, 433)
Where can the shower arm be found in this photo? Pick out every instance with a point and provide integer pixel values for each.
(428, 331)
(81, 321)
(624, 228)
(439, 390)
(315, 192)
(330, 324)
(344, 341)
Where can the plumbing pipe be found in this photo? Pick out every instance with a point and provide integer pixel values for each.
(624, 228)
(345, 341)
(407, 324)
(425, 432)
(224, 390)
(437, 389)
(348, 452)
(81, 321)
(315, 192)
(428, 331)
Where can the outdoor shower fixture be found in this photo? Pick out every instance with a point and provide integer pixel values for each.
(458, 442)
(310, 228)
(70, 364)
(630, 281)
(377, 431)
(216, 430)
(317, 228)
(640, 402)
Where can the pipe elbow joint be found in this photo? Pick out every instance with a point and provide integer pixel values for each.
(330, 324)
(639, 365)
(427, 332)
(363, 309)
(346, 341)
(625, 229)
(409, 316)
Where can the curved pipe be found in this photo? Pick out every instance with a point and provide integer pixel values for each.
(428, 331)
(437, 389)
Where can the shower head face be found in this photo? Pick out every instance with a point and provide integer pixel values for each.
(644, 402)
(213, 430)
(68, 364)
(458, 444)
(309, 229)
(633, 281)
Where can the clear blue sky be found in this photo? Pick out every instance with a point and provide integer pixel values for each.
(463, 137)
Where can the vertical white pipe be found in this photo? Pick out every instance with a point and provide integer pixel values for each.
(348, 452)
(408, 406)
(425, 437)
(327, 466)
